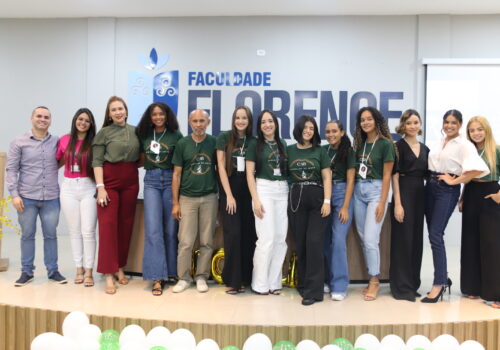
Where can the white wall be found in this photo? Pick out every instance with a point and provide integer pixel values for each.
(69, 63)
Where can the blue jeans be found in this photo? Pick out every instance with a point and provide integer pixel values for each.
(335, 245)
(440, 201)
(367, 195)
(48, 211)
(160, 228)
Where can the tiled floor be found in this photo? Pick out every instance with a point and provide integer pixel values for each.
(136, 301)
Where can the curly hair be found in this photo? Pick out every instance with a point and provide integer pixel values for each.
(380, 125)
(146, 126)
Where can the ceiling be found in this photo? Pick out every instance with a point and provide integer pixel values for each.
(188, 8)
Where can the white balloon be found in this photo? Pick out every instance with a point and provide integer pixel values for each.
(133, 345)
(330, 347)
(471, 345)
(73, 323)
(258, 341)
(445, 342)
(132, 334)
(207, 344)
(158, 336)
(393, 342)
(367, 341)
(418, 341)
(181, 339)
(89, 332)
(307, 344)
(46, 341)
(89, 345)
(67, 343)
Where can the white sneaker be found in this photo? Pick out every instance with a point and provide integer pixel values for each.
(337, 296)
(326, 288)
(181, 286)
(201, 285)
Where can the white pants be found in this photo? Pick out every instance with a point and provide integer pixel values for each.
(79, 207)
(270, 249)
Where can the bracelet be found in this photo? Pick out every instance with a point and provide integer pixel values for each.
(327, 201)
(99, 185)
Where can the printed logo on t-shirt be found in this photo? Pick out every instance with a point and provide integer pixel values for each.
(273, 160)
(200, 164)
(158, 158)
(302, 169)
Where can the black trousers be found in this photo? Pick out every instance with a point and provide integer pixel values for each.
(239, 234)
(308, 228)
(480, 252)
(407, 239)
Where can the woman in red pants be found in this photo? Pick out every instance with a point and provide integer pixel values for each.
(115, 155)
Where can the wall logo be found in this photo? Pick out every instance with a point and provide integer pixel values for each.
(145, 88)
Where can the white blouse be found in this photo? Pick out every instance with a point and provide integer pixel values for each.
(456, 157)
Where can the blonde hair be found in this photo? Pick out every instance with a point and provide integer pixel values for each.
(490, 146)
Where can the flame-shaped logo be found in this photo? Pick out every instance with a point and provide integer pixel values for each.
(153, 62)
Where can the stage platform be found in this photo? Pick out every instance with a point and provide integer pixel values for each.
(41, 307)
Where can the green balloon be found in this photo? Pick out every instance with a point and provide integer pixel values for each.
(158, 348)
(110, 346)
(109, 336)
(284, 345)
(230, 347)
(343, 343)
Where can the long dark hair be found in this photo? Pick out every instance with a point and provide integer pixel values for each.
(85, 150)
(299, 128)
(146, 126)
(380, 125)
(261, 141)
(344, 145)
(234, 136)
(107, 117)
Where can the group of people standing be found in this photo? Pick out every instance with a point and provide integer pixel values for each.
(261, 187)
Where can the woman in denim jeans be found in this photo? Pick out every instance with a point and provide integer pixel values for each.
(374, 161)
(158, 132)
(452, 162)
(343, 171)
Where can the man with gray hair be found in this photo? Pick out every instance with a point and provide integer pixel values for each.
(34, 188)
(196, 207)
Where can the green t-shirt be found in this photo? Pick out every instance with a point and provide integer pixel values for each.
(383, 152)
(306, 164)
(239, 151)
(490, 177)
(339, 172)
(167, 142)
(268, 159)
(198, 166)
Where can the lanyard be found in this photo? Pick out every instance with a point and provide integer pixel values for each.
(154, 135)
(481, 155)
(277, 153)
(243, 146)
(333, 158)
(364, 149)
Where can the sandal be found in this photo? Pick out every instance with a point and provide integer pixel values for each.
(123, 281)
(157, 289)
(371, 296)
(88, 281)
(233, 291)
(110, 284)
(79, 275)
(275, 291)
(496, 305)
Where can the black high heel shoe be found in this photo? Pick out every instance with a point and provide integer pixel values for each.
(440, 294)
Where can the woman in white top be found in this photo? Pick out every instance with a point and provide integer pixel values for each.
(453, 162)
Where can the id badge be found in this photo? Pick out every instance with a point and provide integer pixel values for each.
(155, 147)
(362, 171)
(75, 168)
(240, 163)
(277, 172)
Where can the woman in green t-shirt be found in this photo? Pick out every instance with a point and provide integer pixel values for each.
(235, 206)
(480, 205)
(266, 177)
(158, 132)
(374, 161)
(342, 164)
(309, 206)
